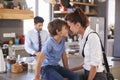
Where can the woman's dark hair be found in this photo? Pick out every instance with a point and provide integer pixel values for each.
(38, 19)
(54, 25)
(78, 16)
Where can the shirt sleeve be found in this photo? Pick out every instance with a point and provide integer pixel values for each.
(95, 50)
(64, 48)
(46, 48)
(28, 45)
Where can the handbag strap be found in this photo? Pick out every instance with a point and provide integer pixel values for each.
(103, 51)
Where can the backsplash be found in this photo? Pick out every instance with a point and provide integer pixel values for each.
(8, 26)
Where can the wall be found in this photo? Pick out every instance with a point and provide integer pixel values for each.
(8, 26)
(117, 30)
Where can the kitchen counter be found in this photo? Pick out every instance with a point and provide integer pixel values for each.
(73, 60)
(18, 76)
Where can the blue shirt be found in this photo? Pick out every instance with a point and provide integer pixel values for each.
(53, 51)
(31, 40)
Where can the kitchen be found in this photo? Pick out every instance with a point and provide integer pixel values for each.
(16, 25)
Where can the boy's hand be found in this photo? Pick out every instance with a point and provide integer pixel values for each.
(37, 78)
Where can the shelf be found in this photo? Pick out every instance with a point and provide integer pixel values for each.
(66, 12)
(85, 4)
(16, 14)
(61, 12)
(91, 14)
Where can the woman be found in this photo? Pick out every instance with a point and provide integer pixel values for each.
(78, 24)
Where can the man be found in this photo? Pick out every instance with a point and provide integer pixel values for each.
(35, 38)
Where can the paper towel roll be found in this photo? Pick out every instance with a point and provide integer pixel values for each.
(2, 62)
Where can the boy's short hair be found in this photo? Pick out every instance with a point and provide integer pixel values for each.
(38, 19)
(54, 25)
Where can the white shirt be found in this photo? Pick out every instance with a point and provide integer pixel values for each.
(92, 51)
(31, 40)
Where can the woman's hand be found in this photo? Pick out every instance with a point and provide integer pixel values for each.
(80, 66)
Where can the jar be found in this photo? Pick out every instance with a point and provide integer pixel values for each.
(11, 41)
(1, 5)
(16, 41)
(9, 4)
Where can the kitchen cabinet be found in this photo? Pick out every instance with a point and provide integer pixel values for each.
(89, 9)
(16, 14)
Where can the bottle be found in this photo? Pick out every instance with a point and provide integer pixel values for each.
(19, 5)
(8, 64)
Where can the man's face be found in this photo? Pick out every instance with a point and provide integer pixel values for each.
(38, 26)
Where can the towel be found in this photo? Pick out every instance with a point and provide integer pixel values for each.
(2, 62)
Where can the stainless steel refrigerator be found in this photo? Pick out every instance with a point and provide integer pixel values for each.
(98, 24)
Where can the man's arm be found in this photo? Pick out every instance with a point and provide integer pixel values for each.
(38, 67)
(28, 46)
(65, 59)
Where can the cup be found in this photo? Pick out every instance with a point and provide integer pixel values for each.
(16, 41)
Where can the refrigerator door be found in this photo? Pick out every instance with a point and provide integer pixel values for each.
(97, 24)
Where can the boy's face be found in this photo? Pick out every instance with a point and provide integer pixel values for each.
(64, 31)
(38, 26)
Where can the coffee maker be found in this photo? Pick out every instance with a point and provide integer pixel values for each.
(5, 50)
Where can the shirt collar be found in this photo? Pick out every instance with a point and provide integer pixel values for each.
(36, 30)
(87, 31)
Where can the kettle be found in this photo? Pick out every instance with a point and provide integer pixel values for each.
(2, 62)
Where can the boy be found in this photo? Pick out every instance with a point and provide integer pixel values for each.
(52, 52)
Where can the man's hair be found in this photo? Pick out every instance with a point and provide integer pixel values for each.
(38, 19)
(54, 25)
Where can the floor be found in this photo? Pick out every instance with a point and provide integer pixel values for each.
(73, 60)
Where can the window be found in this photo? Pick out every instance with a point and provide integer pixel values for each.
(111, 12)
(111, 18)
(42, 10)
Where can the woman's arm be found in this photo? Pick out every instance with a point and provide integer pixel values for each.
(92, 72)
(38, 67)
(78, 67)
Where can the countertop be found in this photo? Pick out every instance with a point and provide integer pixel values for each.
(73, 60)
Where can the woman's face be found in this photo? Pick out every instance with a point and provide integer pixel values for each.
(73, 27)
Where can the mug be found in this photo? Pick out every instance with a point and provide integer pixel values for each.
(16, 41)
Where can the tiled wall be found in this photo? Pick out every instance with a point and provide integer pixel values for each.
(8, 26)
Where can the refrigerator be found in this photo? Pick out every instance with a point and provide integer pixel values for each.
(98, 25)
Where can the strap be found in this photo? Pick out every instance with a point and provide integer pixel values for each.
(103, 50)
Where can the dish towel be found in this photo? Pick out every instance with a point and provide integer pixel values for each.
(2, 62)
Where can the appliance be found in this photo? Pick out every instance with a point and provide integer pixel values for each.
(5, 50)
(98, 24)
